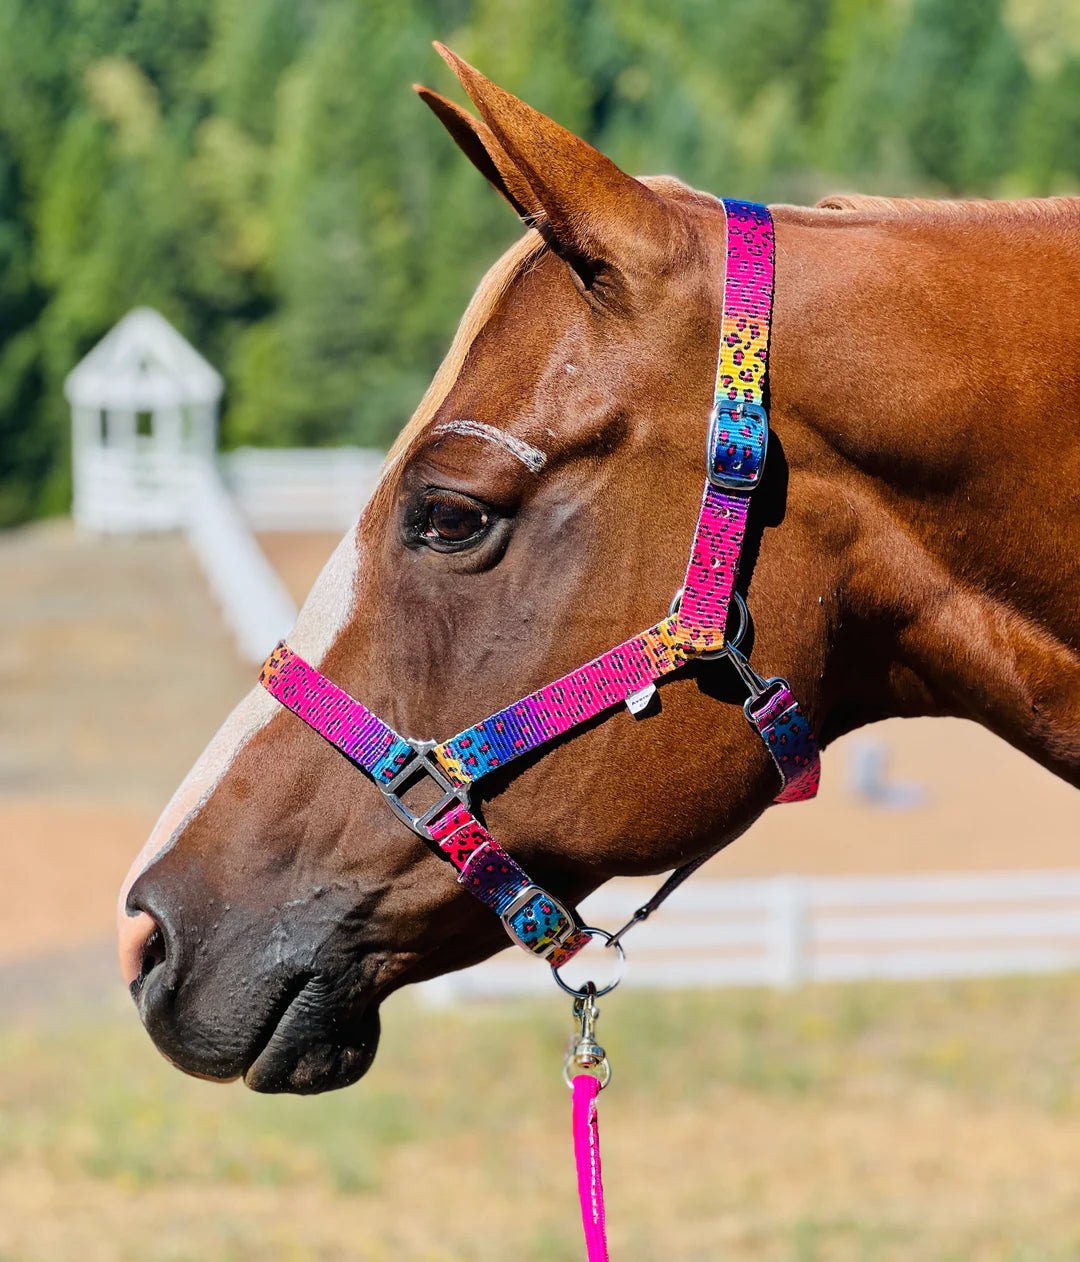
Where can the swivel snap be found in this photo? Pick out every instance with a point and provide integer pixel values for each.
(754, 684)
(584, 1054)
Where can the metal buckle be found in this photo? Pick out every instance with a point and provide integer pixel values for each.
(521, 900)
(422, 764)
(737, 410)
(763, 692)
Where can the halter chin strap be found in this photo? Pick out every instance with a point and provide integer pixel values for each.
(695, 629)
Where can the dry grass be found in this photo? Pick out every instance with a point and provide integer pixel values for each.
(870, 1124)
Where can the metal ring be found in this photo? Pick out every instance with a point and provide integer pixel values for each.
(603, 1077)
(733, 641)
(730, 641)
(583, 991)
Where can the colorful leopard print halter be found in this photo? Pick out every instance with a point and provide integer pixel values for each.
(694, 629)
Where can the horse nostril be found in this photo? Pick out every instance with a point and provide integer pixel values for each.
(153, 954)
(142, 944)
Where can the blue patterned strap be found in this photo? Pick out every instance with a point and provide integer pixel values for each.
(532, 917)
(782, 725)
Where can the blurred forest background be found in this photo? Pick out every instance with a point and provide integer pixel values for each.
(259, 171)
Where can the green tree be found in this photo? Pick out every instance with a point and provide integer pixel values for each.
(960, 86)
(259, 170)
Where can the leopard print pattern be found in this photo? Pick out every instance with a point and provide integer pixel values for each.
(340, 719)
(556, 708)
(785, 730)
(737, 447)
(748, 293)
(492, 876)
(713, 567)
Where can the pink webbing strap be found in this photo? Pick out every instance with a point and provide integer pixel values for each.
(738, 427)
(587, 1154)
(563, 704)
(338, 718)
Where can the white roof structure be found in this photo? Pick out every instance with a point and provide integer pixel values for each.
(143, 365)
(143, 434)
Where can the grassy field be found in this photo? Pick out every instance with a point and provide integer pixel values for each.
(935, 1123)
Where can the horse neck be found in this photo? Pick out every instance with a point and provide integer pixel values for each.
(927, 373)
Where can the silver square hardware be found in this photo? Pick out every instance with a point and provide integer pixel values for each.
(736, 410)
(421, 763)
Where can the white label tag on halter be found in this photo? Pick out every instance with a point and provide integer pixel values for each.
(637, 701)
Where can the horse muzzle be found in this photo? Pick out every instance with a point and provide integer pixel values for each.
(288, 1012)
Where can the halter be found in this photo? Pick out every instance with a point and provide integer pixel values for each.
(694, 630)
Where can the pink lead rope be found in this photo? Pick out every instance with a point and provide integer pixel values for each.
(587, 1072)
(587, 1154)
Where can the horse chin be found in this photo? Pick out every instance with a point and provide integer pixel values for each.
(301, 1057)
(316, 1035)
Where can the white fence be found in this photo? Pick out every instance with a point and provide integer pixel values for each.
(783, 931)
(253, 600)
(302, 488)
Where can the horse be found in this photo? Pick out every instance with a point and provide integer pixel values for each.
(909, 552)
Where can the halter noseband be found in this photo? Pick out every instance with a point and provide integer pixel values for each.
(693, 630)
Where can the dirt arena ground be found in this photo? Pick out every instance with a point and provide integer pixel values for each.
(116, 670)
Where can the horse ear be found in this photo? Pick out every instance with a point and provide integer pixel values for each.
(477, 141)
(595, 215)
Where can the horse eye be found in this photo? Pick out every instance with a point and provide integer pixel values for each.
(453, 518)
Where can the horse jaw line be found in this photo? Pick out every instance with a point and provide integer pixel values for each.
(328, 609)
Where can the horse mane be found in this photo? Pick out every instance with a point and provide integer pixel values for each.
(1043, 210)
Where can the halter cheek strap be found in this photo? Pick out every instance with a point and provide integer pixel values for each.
(695, 629)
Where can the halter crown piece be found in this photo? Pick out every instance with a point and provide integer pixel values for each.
(694, 629)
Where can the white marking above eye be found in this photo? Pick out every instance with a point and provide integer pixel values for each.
(531, 457)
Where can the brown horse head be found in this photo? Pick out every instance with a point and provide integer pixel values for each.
(536, 510)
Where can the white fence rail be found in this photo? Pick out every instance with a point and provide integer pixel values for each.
(783, 931)
(302, 488)
(253, 600)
